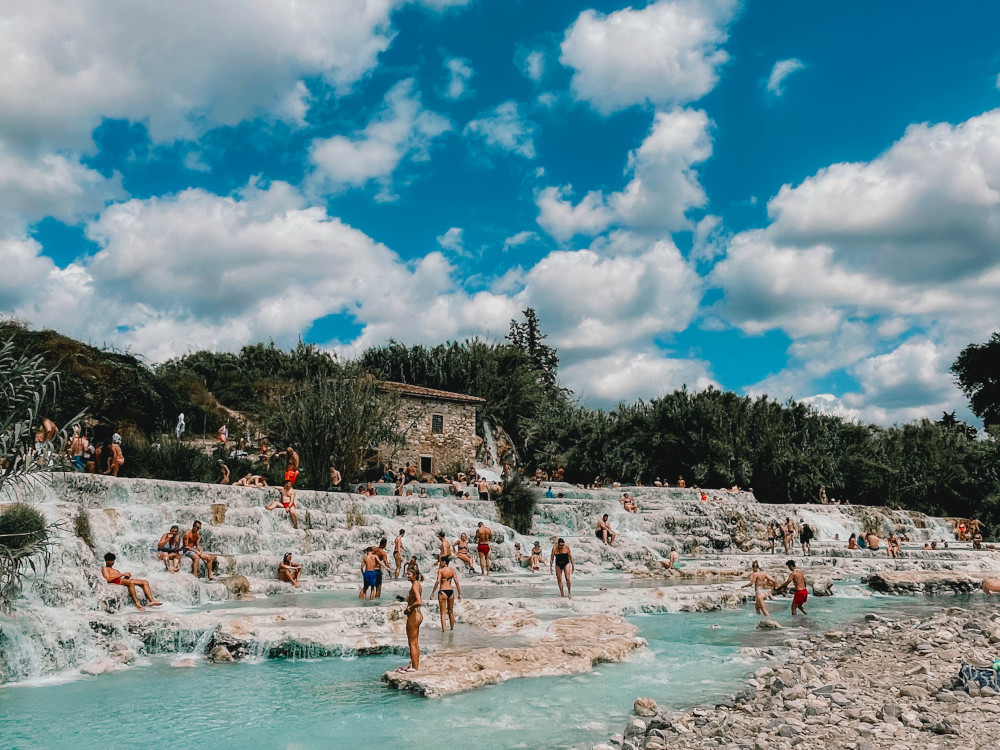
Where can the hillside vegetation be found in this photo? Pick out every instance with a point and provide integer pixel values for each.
(784, 451)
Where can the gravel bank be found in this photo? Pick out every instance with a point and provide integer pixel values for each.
(881, 683)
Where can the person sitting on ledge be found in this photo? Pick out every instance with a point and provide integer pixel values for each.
(681, 483)
(873, 542)
(892, 546)
(288, 571)
(852, 542)
(535, 561)
(604, 532)
(118, 578)
(192, 549)
(169, 549)
(286, 501)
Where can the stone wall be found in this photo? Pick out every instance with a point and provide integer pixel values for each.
(456, 444)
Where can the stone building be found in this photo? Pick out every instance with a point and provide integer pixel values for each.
(439, 426)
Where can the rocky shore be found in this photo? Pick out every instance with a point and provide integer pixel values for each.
(878, 684)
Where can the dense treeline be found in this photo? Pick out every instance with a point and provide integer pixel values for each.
(784, 451)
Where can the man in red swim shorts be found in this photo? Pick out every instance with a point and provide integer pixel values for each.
(798, 579)
(291, 465)
(483, 537)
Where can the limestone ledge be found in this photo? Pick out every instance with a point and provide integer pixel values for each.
(571, 645)
(921, 582)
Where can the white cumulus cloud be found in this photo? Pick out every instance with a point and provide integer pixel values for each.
(460, 72)
(403, 128)
(505, 128)
(781, 70)
(668, 52)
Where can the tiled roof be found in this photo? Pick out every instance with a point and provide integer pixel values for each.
(416, 391)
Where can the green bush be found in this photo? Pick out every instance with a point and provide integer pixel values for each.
(516, 504)
(81, 526)
(21, 526)
(170, 460)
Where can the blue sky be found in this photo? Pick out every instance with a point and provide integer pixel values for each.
(772, 197)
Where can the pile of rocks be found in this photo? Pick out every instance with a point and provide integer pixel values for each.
(880, 684)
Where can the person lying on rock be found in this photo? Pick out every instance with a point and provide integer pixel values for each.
(604, 532)
(169, 549)
(192, 549)
(286, 501)
(288, 571)
(118, 578)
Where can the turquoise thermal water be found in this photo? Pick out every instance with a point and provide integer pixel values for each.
(340, 703)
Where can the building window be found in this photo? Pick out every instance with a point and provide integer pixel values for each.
(426, 463)
(437, 424)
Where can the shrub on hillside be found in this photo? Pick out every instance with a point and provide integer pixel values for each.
(171, 460)
(516, 504)
(25, 542)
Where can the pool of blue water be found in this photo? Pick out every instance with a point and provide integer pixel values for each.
(340, 703)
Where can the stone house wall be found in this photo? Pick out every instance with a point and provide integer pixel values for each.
(430, 451)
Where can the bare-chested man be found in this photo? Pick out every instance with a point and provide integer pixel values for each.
(291, 464)
(125, 579)
(76, 449)
(604, 532)
(286, 501)
(798, 579)
(873, 541)
(483, 537)
(335, 477)
(192, 549)
(445, 550)
(369, 564)
(398, 552)
(761, 582)
(484, 489)
(383, 562)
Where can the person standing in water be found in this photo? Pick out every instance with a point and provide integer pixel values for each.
(369, 564)
(563, 559)
(761, 582)
(797, 578)
(447, 582)
(413, 619)
(483, 537)
(398, 552)
(383, 562)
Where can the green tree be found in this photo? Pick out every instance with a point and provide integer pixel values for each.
(339, 420)
(977, 370)
(528, 337)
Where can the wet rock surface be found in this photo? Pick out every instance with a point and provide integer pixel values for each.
(880, 683)
(921, 582)
(569, 646)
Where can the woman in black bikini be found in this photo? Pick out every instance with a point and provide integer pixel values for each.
(447, 582)
(462, 552)
(413, 619)
(563, 559)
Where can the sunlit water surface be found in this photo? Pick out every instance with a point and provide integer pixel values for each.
(340, 703)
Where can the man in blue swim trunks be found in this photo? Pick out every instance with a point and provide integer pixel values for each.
(369, 564)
